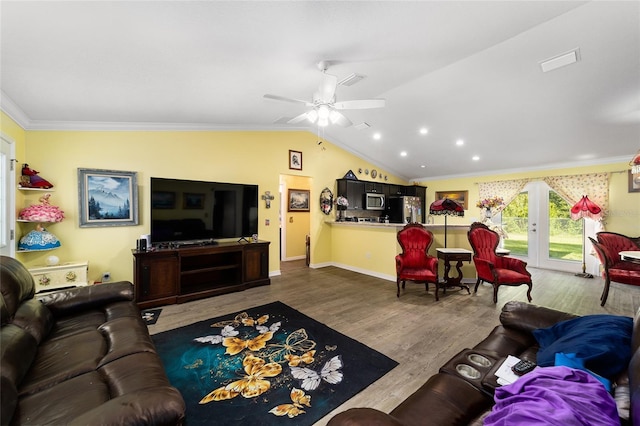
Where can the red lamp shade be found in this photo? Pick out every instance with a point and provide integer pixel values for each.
(586, 208)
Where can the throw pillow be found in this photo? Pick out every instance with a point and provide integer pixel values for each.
(601, 342)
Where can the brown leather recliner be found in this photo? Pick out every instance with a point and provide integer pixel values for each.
(78, 356)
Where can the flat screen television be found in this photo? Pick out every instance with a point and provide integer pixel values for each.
(188, 211)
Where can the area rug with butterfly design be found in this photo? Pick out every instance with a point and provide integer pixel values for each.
(268, 365)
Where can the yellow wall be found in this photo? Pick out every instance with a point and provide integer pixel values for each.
(226, 156)
(297, 224)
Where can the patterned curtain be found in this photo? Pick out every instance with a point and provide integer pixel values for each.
(508, 190)
(573, 187)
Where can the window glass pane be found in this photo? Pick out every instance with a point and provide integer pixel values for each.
(515, 221)
(565, 235)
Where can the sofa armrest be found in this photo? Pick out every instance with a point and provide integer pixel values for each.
(526, 317)
(363, 417)
(82, 298)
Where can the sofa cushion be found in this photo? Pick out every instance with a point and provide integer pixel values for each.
(572, 397)
(16, 285)
(603, 342)
(33, 317)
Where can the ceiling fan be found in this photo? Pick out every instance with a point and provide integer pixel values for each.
(324, 107)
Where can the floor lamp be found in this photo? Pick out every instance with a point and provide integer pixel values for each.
(446, 207)
(581, 210)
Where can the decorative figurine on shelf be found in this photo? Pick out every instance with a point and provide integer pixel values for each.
(30, 179)
(43, 212)
(38, 239)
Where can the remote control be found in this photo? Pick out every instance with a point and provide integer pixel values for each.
(523, 367)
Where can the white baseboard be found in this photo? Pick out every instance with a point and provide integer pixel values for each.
(359, 270)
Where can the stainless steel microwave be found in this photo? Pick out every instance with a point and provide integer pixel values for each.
(373, 201)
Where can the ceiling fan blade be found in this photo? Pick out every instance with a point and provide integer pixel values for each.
(328, 88)
(339, 119)
(298, 118)
(282, 98)
(360, 104)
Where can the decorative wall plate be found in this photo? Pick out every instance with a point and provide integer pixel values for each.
(374, 173)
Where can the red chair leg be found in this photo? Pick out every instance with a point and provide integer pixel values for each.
(398, 282)
(475, 290)
(529, 292)
(495, 293)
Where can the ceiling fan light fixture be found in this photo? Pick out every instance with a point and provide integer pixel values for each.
(323, 122)
(334, 116)
(323, 112)
(312, 115)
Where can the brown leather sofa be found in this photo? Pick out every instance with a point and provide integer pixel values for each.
(79, 356)
(449, 399)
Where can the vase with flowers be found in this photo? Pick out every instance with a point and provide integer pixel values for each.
(341, 205)
(488, 205)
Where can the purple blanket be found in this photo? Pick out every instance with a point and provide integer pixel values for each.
(554, 396)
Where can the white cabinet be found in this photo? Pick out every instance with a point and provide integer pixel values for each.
(69, 274)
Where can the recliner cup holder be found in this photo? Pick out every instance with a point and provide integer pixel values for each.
(468, 372)
(479, 360)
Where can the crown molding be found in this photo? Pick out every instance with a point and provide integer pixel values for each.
(13, 110)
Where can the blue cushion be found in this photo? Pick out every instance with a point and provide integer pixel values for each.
(601, 342)
(569, 360)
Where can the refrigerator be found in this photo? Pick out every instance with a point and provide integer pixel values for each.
(405, 209)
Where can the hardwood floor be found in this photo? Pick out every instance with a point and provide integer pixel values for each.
(415, 330)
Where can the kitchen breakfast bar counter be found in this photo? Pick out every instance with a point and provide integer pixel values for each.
(370, 247)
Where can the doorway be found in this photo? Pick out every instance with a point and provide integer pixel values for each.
(541, 232)
(7, 197)
(294, 225)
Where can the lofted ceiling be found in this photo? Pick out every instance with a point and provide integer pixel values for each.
(465, 71)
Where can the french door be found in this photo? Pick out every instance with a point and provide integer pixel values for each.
(542, 233)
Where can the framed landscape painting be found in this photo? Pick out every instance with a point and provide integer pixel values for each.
(107, 198)
(299, 200)
(461, 197)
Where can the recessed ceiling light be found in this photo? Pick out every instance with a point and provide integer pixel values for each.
(459, 142)
(424, 131)
(403, 154)
(377, 136)
(475, 158)
(422, 166)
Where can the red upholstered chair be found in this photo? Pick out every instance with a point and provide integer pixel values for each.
(415, 263)
(494, 269)
(608, 247)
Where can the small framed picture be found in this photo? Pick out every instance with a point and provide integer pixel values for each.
(299, 200)
(634, 182)
(295, 160)
(461, 197)
(192, 201)
(107, 198)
